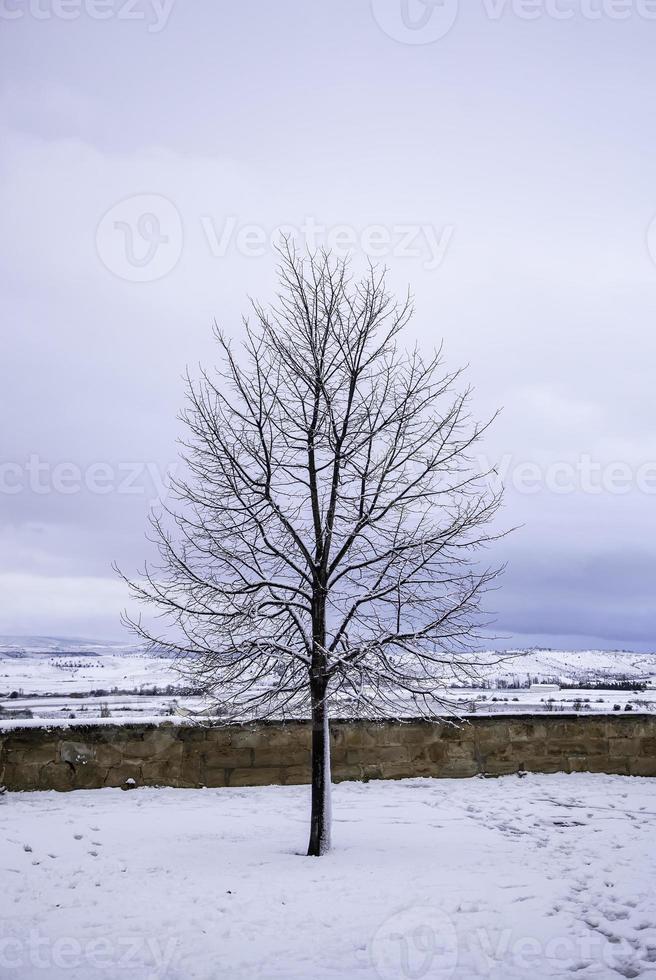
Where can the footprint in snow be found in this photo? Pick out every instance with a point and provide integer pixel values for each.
(579, 965)
(628, 969)
(613, 915)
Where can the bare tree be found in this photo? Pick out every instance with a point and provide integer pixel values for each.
(322, 547)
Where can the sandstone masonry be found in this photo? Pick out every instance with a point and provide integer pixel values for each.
(91, 756)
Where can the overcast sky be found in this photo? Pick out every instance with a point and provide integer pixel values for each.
(501, 160)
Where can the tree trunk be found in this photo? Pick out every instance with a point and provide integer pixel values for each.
(321, 778)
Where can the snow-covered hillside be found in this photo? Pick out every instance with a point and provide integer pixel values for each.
(574, 666)
(27, 646)
(84, 672)
(67, 680)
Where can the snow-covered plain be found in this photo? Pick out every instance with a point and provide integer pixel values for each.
(56, 680)
(540, 876)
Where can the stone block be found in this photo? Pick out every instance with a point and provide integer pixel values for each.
(39, 754)
(273, 738)
(160, 743)
(77, 753)
(90, 776)
(458, 753)
(642, 767)
(419, 734)
(630, 725)
(596, 763)
(456, 770)
(624, 748)
(577, 746)
(58, 776)
(439, 752)
(160, 772)
(22, 777)
(192, 733)
(295, 775)
(295, 755)
(252, 777)
(369, 755)
(502, 754)
(406, 770)
(214, 776)
(373, 734)
(131, 748)
(191, 765)
(119, 775)
(108, 754)
(226, 758)
(220, 738)
(456, 733)
(344, 736)
(344, 773)
(500, 767)
(524, 729)
(371, 772)
(499, 731)
(539, 763)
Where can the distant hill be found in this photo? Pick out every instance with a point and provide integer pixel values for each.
(570, 666)
(515, 667)
(17, 646)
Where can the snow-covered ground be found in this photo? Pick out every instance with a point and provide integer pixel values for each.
(82, 672)
(63, 680)
(574, 666)
(541, 876)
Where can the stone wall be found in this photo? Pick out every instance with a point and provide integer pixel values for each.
(90, 756)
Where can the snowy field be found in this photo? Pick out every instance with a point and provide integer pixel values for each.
(541, 876)
(67, 680)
